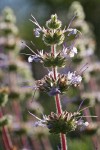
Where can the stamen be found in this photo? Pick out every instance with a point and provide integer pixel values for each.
(25, 54)
(34, 18)
(71, 21)
(85, 108)
(33, 43)
(84, 70)
(87, 116)
(29, 48)
(80, 71)
(35, 116)
(35, 21)
(80, 105)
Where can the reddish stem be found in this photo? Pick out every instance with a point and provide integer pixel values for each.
(58, 103)
(5, 136)
(4, 141)
(63, 141)
(59, 110)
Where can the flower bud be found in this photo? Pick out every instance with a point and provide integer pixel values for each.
(51, 86)
(51, 61)
(37, 32)
(62, 123)
(53, 23)
(51, 38)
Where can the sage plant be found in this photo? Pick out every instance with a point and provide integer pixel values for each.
(87, 45)
(55, 84)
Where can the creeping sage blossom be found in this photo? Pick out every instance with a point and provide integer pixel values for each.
(82, 123)
(73, 78)
(53, 91)
(69, 51)
(36, 58)
(72, 31)
(73, 51)
(59, 85)
(37, 32)
(61, 123)
(40, 122)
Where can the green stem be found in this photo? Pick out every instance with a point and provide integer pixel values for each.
(58, 102)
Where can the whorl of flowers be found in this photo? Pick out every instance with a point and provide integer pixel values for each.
(53, 34)
(55, 83)
(58, 59)
(59, 86)
(61, 123)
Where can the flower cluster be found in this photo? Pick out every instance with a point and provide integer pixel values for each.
(59, 86)
(53, 33)
(69, 51)
(55, 83)
(61, 123)
(49, 37)
(49, 60)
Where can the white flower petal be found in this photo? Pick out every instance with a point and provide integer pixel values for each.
(71, 54)
(69, 76)
(74, 50)
(30, 58)
(86, 124)
(79, 78)
(39, 123)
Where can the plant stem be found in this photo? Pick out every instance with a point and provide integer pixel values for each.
(58, 104)
(57, 101)
(63, 141)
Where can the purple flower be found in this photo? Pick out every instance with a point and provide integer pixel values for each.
(40, 122)
(73, 78)
(34, 58)
(69, 52)
(37, 32)
(73, 51)
(72, 32)
(50, 126)
(82, 125)
(54, 91)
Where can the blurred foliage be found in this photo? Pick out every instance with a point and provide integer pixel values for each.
(16, 74)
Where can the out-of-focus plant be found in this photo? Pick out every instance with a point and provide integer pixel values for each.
(15, 83)
(90, 90)
(54, 83)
